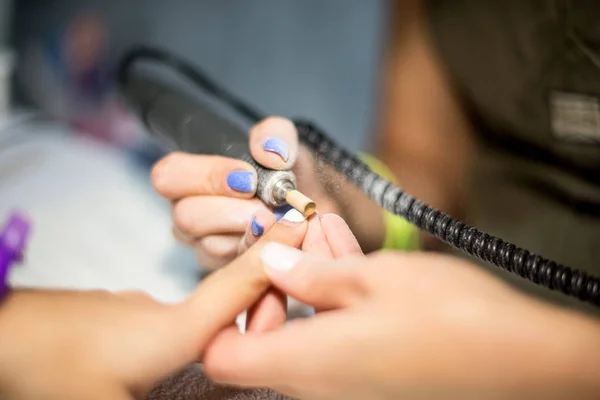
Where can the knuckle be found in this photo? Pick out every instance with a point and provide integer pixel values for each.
(180, 236)
(184, 218)
(208, 262)
(160, 175)
(216, 248)
(216, 370)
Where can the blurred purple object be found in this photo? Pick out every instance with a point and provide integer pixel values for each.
(13, 240)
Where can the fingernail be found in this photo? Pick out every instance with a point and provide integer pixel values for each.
(279, 257)
(241, 181)
(256, 228)
(277, 146)
(292, 217)
(281, 211)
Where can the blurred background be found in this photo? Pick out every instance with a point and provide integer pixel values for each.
(77, 165)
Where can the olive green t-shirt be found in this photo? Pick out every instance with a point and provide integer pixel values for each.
(528, 72)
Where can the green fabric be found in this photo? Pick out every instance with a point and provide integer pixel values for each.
(399, 233)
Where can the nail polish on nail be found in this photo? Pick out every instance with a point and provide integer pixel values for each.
(281, 211)
(241, 181)
(277, 146)
(280, 257)
(256, 228)
(293, 216)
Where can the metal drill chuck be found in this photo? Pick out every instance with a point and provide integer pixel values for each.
(273, 186)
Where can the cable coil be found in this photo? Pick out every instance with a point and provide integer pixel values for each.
(472, 241)
(544, 272)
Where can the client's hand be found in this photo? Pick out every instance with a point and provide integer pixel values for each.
(214, 208)
(408, 326)
(72, 345)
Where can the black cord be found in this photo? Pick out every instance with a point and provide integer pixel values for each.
(195, 74)
(488, 248)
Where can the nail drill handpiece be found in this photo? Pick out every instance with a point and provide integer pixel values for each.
(189, 125)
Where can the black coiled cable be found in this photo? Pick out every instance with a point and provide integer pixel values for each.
(496, 251)
(488, 248)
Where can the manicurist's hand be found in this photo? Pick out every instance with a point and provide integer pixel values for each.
(72, 345)
(214, 208)
(395, 325)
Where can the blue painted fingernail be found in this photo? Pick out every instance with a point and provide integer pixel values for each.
(241, 181)
(281, 211)
(256, 228)
(277, 146)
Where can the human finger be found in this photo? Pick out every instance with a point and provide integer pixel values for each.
(274, 143)
(236, 286)
(180, 175)
(340, 238)
(321, 283)
(260, 222)
(200, 216)
(181, 237)
(306, 351)
(315, 241)
(214, 251)
(270, 311)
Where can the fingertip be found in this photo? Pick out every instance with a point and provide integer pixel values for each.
(278, 258)
(274, 143)
(331, 220)
(268, 313)
(340, 237)
(183, 216)
(256, 228)
(159, 175)
(315, 241)
(261, 221)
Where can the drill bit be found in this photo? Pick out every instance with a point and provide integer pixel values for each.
(301, 202)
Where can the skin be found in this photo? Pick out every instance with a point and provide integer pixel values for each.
(397, 325)
(390, 325)
(100, 345)
(400, 325)
(423, 133)
(196, 185)
(424, 137)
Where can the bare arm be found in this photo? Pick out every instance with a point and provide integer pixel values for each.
(425, 137)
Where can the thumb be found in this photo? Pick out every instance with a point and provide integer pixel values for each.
(274, 143)
(321, 283)
(229, 291)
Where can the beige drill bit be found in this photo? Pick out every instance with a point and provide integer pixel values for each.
(301, 203)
